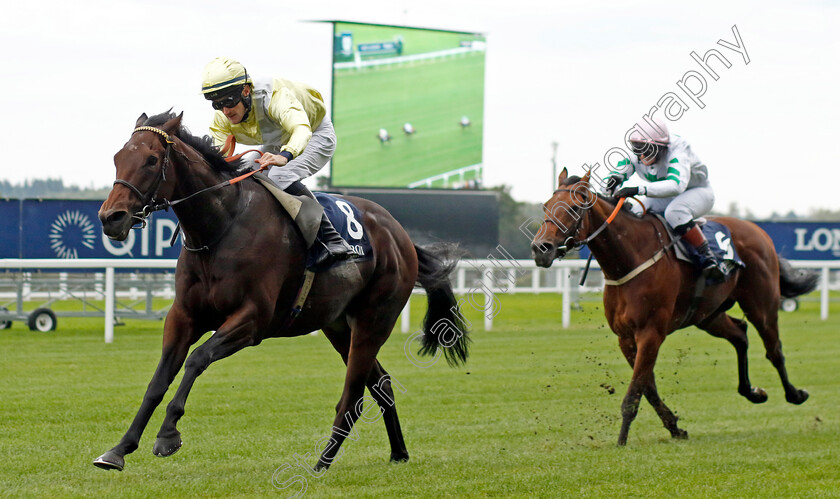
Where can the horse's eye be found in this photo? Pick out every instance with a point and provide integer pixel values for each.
(152, 161)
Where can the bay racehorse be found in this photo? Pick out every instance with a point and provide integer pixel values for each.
(659, 296)
(240, 271)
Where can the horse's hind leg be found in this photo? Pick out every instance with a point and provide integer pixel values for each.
(380, 384)
(735, 332)
(370, 328)
(669, 419)
(766, 320)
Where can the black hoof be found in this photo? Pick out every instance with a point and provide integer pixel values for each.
(399, 458)
(166, 446)
(756, 395)
(679, 434)
(797, 397)
(321, 466)
(110, 461)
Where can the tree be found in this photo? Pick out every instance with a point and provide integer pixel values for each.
(512, 215)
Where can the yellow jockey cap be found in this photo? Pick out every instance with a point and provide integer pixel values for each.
(220, 75)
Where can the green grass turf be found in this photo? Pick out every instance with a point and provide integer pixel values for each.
(531, 415)
(431, 95)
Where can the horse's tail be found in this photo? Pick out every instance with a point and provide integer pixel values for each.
(443, 325)
(796, 282)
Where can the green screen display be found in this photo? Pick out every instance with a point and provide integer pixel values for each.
(408, 107)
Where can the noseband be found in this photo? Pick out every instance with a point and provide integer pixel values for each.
(148, 199)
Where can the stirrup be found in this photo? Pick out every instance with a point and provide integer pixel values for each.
(715, 272)
(326, 257)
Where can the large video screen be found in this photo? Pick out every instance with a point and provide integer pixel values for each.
(408, 107)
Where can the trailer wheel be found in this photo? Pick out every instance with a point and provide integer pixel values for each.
(42, 319)
(5, 324)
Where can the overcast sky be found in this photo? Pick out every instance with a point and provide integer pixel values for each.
(76, 75)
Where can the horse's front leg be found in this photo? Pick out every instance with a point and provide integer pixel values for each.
(647, 343)
(178, 334)
(669, 419)
(235, 334)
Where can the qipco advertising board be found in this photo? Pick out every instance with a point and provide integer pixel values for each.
(64, 229)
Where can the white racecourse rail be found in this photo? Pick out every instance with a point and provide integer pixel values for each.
(496, 277)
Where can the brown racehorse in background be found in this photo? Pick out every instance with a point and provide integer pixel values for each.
(656, 302)
(242, 275)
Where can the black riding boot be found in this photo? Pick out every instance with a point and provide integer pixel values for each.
(712, 268)
(331, 247)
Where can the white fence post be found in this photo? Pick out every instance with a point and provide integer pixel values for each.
(487, 281)
(405, 317)
(566, 278)
(109, 305)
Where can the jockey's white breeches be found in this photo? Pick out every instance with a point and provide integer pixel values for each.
(682, 208)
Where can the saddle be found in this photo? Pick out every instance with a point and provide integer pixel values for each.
(720, 241)
(306, 213)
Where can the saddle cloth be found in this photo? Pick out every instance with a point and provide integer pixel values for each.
(345, 217)
(720, 241)
(347, 220)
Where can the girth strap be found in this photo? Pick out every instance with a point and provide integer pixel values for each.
(638, 270)
(641, 268)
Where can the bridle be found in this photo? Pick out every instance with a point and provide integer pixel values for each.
(150, 203)
(148, 199)
(571, 242)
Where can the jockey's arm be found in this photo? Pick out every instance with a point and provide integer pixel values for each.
(287, 110)
(220, 128)
(623, 170)
(674, 184)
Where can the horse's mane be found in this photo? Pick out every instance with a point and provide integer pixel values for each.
(609, 199)
(204, 145)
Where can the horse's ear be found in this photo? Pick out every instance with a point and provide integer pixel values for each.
(142, 119)
(586, 177)
(562, 176)
(173, 125)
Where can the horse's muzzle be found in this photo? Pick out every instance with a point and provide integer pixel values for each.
(116, 224)
(544, 254)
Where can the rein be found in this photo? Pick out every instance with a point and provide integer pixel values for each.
(572, 243)
(577, 244)
(148, 199)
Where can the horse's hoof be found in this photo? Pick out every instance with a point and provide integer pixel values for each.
(110, 461)
(679, 434)
(321, 466)
(797, 397)
(756, 395)
(166, 446)
(399, 458)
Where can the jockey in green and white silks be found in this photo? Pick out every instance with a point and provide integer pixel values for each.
(288, 120)
(674, 182)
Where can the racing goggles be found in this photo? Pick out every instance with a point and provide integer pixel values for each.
(228, 101)
(645, 149)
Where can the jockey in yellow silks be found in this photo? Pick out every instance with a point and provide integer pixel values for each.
(288, 120)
